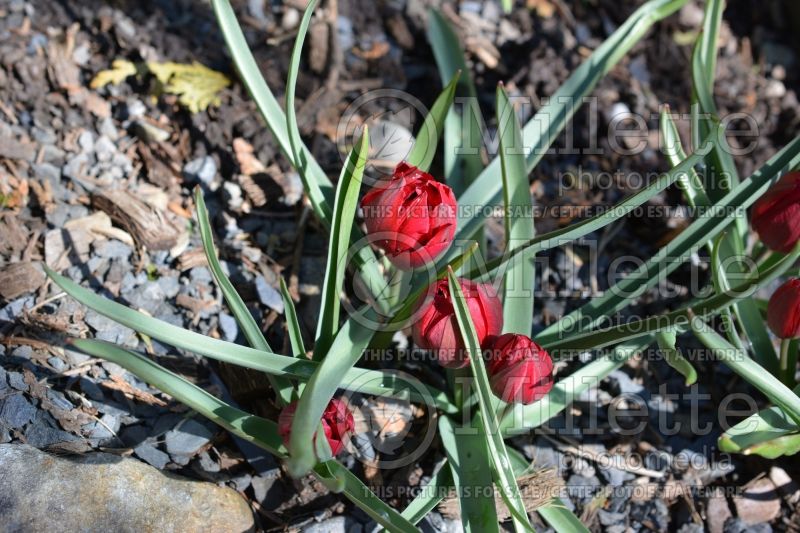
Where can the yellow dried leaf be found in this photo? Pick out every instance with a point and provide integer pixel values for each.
(544, 8)
(196, 85)
(120, 69)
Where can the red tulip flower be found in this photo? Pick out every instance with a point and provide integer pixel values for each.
(519, 369)
(412, 217)
(783, 310)
(437, 327)
(337, 423)
(776, 215)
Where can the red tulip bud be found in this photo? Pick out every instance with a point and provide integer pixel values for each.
(776, 215)
(783, 310)
(412, 217)
(437, 327)
(519, 369)
(337, 423)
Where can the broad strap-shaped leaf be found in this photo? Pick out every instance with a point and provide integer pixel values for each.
(469, 464)
(317, 184)
(432, 493)
(722, 175)
(518, 284)
(709, 38)
(463, 136)
(761, 434)
(772, 449)
(347, 347)
(424, 149)
(282, 386)
(292, 323)
(439, 485)
(572, 232)
(677, 251)
(690, 183)
(677, 320)
(703, 90)
(364, 498)
(748, 369)
(299, 155)
(344, 214)
(560, 518)
(321, 191)
(362, 380)
(673, 356)
(695, 194)
(505, 478)
(540, 132)
(259, 431)
(719, 279)
(770, 433)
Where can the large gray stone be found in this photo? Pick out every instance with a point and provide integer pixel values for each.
(104, 492)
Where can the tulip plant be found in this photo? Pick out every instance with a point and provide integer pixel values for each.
(474, 315)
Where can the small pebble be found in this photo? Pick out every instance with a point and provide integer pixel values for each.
(112, 249)
(228, 326)
(202, 169)
(108, 129)
(208, 464)
(263, 483)
(22, 352)
(47, 172)
(42, 434)
(200, 276)
(108, 330)
(12, 310)
(91, 389)
(291, 18)
(170, 285)
(135, 108)
(149, 296)
(86, 141)
(233, 193)
(17, 381)
(268, 295)
(151, 455)
(241, 483)
(58, 399)
(57, 364)
(337, 524)
(76, 167)
(736, 525)
(186, 439)
(104, 149)
(16, 411)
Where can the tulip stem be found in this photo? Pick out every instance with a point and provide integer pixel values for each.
(784, 365)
